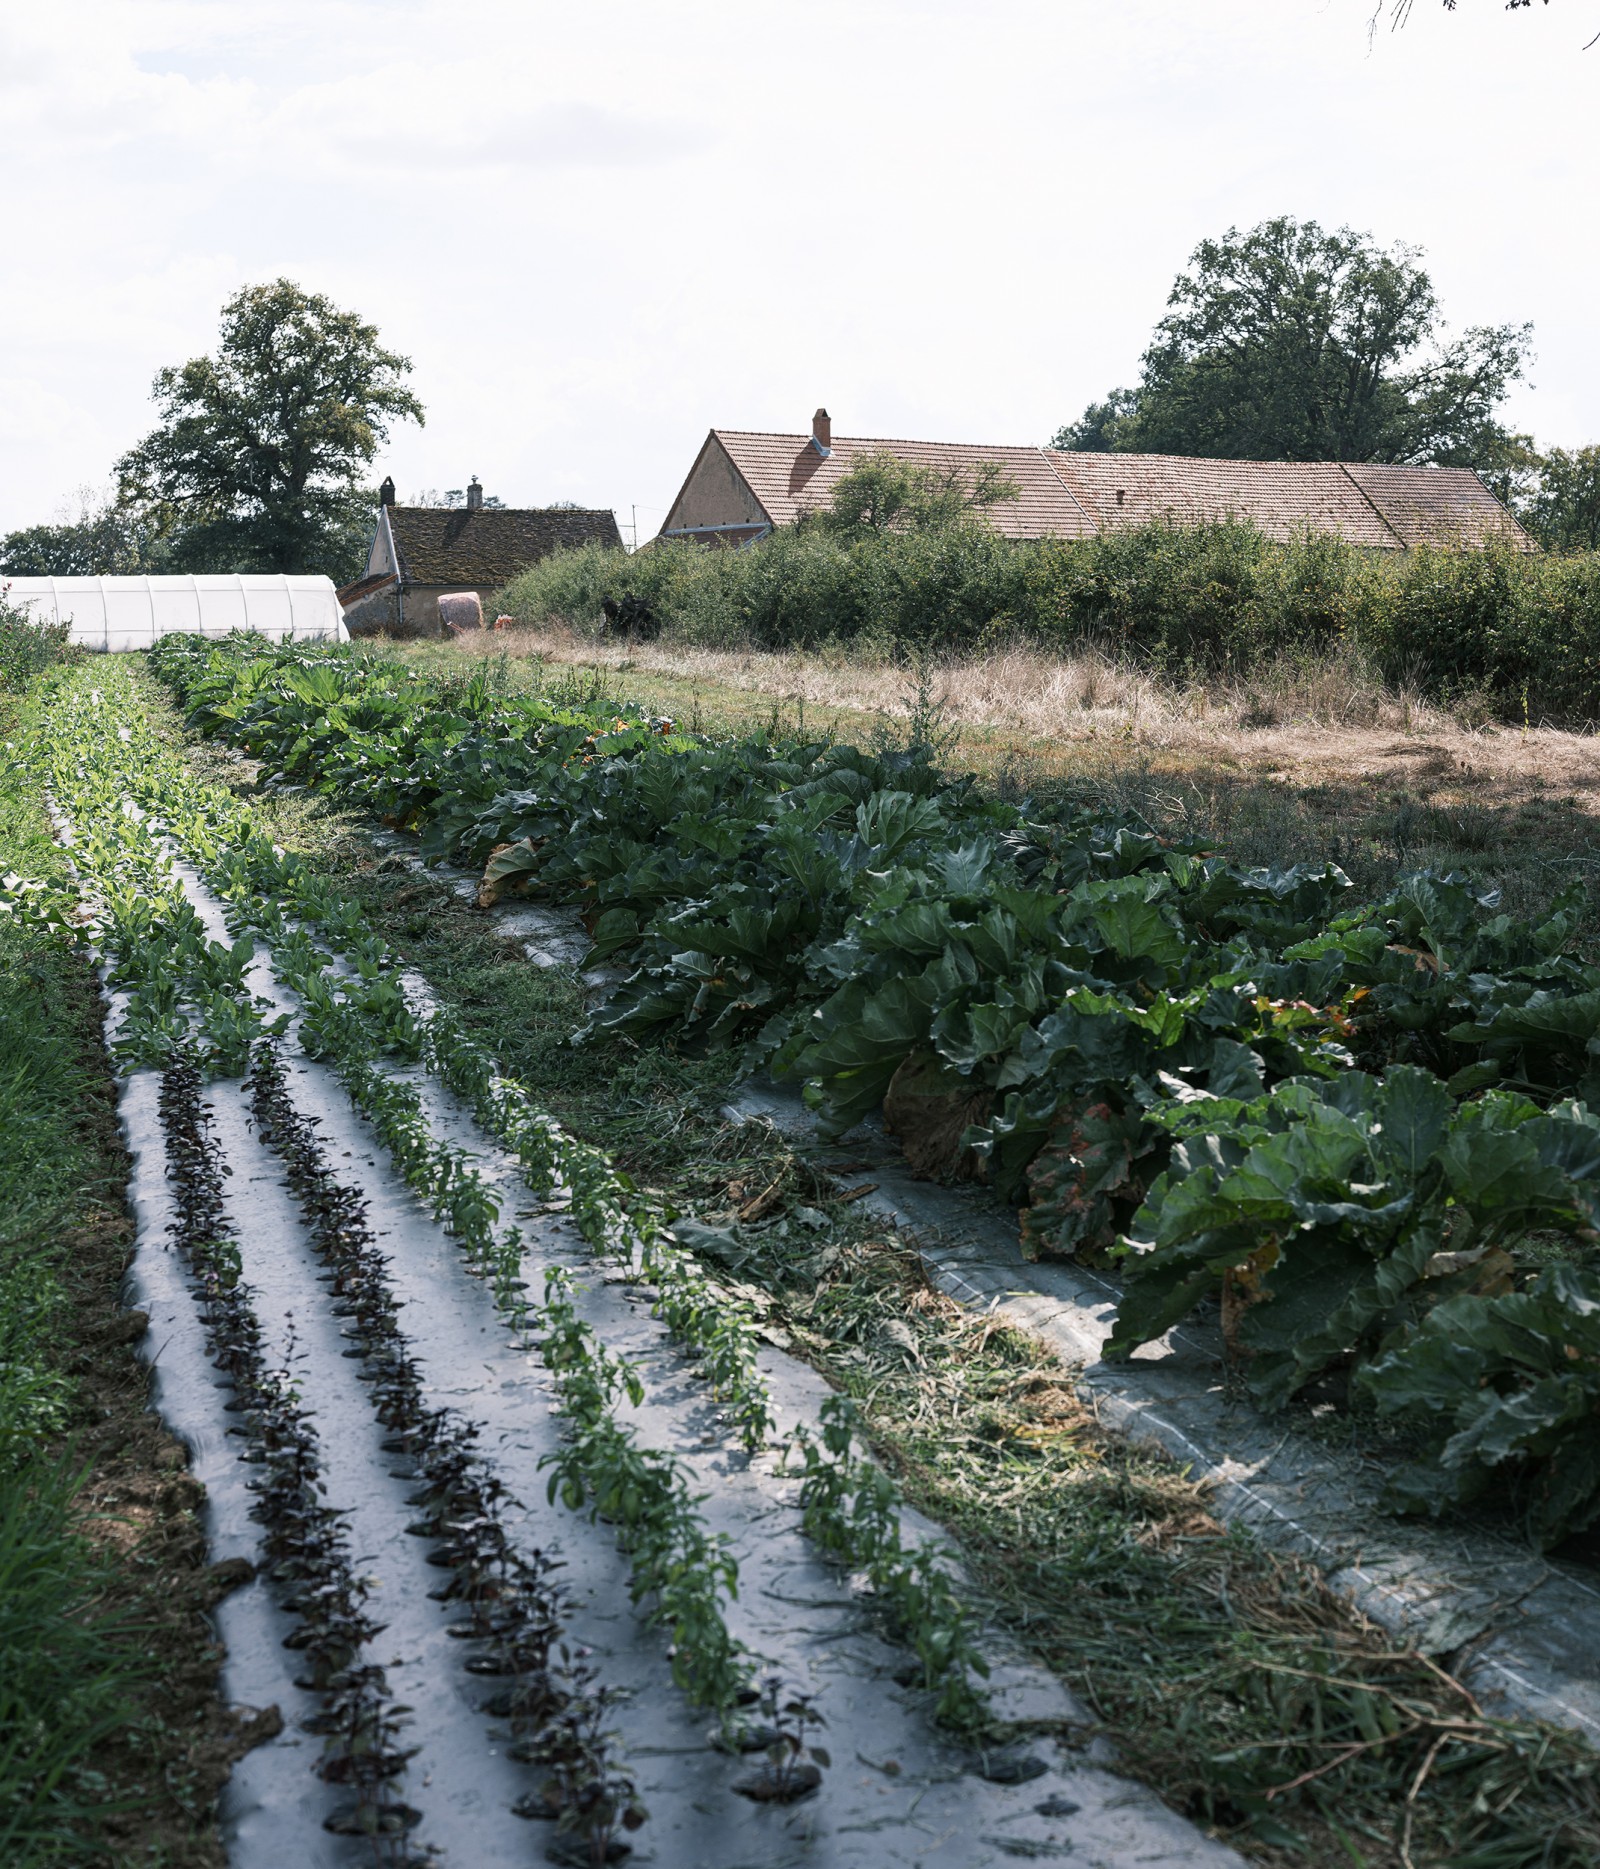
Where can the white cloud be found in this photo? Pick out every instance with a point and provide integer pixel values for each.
(361, 123)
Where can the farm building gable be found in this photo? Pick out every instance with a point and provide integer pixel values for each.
(422, 553)
(485, 546)
(745, 482)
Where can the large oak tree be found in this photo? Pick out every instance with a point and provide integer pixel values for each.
(1292, 343)
(257, 460)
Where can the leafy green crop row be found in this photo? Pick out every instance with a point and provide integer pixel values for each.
(148, 801)
(1111, 1029)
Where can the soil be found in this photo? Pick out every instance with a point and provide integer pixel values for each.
(141, 1510)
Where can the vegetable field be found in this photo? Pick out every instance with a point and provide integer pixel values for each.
(218, 949)
(1366, 1126)
(555, 1551)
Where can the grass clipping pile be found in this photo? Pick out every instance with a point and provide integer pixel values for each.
(1229, 1678)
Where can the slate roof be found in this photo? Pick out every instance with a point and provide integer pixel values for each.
(1074, 495)
(484, 546)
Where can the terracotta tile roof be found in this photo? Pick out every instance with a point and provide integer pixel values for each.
(1367, 503)
(1437, 505)
(487, 545)
(363, 587)
(1075, 495)
(1281, 497)
(789, 477)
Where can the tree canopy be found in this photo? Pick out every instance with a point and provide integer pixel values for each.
(257, 459)
(1289, 342)
(104, 540)
(884, 493)
(1563, 510)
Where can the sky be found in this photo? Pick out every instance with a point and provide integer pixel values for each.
(599, 231)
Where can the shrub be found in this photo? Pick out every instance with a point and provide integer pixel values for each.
(1520, 629)
(27, 647)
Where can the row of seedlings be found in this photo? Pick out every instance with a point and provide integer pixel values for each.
(678, 1570)
(186, 1010)
(255, 880)
(514, 1607)
(303, 1540)
(186, 1001)
(850, 1506)
(610, 1214)
(853, 1506)
(681, 1574)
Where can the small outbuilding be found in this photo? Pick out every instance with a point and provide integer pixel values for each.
(420, 554)
(132, 613)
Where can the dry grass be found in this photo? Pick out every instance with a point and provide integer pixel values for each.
(1019, 688)
(1328, 716)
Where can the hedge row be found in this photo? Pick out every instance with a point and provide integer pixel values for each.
(1520, 630)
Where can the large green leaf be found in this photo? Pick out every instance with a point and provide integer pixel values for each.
(1490, 1169)
(1325, 1299)
(1514, 1383)
(1133, 926)
(1413, 1110)
(860, 1037)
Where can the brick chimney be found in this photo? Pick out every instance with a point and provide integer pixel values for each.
(386, 491)
(822, 433)
(474, 494)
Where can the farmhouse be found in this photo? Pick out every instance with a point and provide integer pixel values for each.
(422, 553)
(743, 484)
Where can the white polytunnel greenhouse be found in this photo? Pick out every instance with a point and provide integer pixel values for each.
(130, 613)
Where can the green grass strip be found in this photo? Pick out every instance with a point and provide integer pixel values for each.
(67, 1679)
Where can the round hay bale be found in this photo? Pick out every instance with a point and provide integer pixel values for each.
(460, 610)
